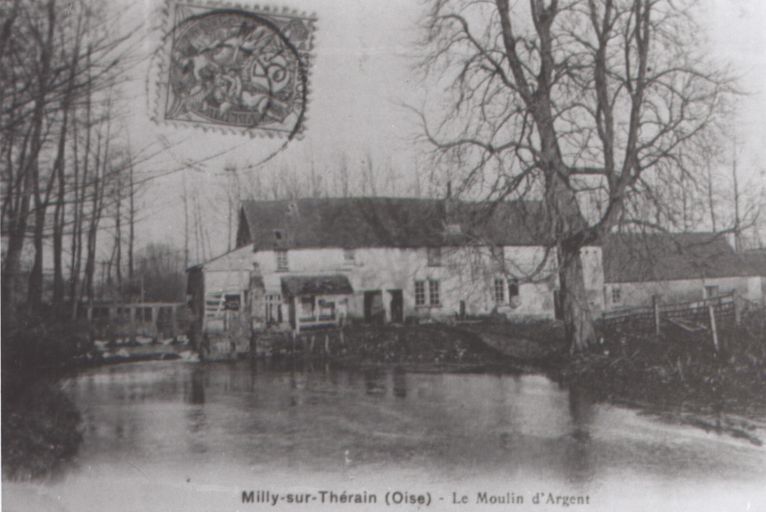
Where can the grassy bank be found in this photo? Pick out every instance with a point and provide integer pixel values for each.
(40, 428)
(427, 346)
(679, 368)
(40, 431)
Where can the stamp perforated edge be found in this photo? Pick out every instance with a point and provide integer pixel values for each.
(159, 64)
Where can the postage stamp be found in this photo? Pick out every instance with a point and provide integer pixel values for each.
(235, 69)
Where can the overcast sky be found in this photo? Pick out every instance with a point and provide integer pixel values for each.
(360, 75)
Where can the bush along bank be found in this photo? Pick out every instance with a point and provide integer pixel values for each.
(421, 347)
(679, 369)
(40, 431)
(40, 427)
(418, 346)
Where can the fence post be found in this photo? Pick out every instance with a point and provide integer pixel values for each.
(711, 310)
(173, 323)
(656, 309)
(737, 310)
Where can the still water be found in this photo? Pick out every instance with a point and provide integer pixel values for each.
(192, 436)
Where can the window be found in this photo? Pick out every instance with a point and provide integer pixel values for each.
(420, 293)
(616, 295)
(349, 256)
(433, 298)
(434, 256)
(232, 302)
(711, 291)
(513, 288)
(499, 291)
(326, 309)
(281, 260)
(307, 308)
(273, 311)
(433, 292)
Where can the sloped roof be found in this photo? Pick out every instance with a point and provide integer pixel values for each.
(335, 284)
(387, 222)
(756, 260)
(640, 257)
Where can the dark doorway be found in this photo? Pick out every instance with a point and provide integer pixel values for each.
(373, 307)
(397, 306)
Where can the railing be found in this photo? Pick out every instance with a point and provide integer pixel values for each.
(721, 309)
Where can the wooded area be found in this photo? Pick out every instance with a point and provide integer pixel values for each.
(68, 171)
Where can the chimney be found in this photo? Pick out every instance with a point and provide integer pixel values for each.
(451, 222)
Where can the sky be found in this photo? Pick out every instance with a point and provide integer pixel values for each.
(362, 73)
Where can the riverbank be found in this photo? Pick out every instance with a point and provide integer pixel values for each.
(40, 427)
(678, 373)
(419, 347)
(674, 375)
(679, 369)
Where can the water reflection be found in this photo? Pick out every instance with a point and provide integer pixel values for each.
(256, 416)
(197, 394)
(374, 382)
(578, 458)
(400, 383)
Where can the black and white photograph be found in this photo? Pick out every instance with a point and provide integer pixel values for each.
(354, 255)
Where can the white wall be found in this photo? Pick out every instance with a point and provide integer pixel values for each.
(640, 294)
(466, 274)
(230, 271)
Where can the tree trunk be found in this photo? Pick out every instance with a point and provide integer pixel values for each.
(35, 288)
(118, 243)
(60, 210)
(76, 241)
(578, 321)
(76, 284)
(95, 214)
(132, 219)
(59, 216)
(17, 232)
(566, 223)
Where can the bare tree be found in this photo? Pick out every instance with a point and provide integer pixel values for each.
(564, 100)
(23, 175)
(56, 58)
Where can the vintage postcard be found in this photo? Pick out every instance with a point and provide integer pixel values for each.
(328, 255)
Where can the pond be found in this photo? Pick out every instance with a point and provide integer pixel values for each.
(193, 436)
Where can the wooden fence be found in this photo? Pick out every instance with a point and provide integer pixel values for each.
(700, 315)
(156, 320)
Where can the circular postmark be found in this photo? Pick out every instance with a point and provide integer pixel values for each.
(236, 69)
